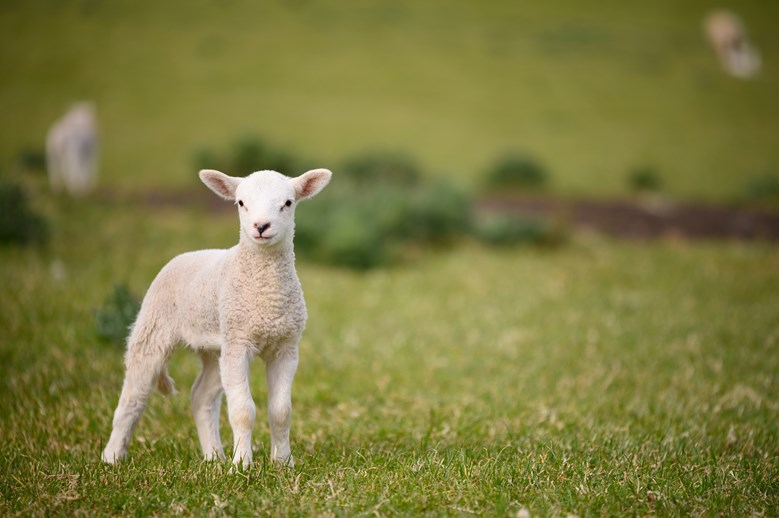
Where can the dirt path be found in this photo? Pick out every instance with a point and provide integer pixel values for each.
(647, 219)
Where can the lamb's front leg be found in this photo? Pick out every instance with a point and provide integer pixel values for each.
(280, 372)
(234, 368)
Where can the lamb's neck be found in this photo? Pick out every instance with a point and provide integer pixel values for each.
(279, 258)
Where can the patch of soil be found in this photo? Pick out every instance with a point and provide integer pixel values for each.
(646, 218)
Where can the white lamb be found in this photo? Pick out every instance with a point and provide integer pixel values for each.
(229, 306)
(72, 149)
(728, 37)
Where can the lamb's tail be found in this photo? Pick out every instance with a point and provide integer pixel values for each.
(165, 384)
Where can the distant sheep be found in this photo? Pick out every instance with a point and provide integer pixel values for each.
(728, 37)
(228, 306)
(72, 149)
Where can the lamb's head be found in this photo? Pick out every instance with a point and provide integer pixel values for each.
(266, 200)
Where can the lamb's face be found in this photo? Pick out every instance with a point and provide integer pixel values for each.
(266, 207)
(266, 200)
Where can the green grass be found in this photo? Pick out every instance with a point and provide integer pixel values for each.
(597, 378)
(592, 91)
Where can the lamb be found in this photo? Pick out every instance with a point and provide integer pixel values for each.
(728, 37)
(228, 306)
(71, 150)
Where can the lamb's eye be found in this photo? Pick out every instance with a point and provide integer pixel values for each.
(288, 204)
(240, 203)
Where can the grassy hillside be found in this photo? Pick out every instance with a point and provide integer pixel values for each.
(592, 91)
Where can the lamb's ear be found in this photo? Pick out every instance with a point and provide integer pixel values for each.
(220, 183)
(309, 184)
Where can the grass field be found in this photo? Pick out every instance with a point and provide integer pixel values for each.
(593, 378)
(598, 378)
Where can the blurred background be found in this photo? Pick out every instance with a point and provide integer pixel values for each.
(590, 91)
(571, 101)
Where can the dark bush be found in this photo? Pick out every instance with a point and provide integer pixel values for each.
(19, 224)
(500, 230)
(437, 212)
(246, 155)
(763, 189)
(341, 229)
(355, 239)
(253, 154)
(517, 172)
(118, 312)
(644, 179)
(367, 224)
(31, 159)
(381, 167)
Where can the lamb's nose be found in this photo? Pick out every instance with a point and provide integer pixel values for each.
(262, 228)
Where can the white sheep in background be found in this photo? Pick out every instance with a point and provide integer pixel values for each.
(229, 306)
(728, 37)
(72, 149)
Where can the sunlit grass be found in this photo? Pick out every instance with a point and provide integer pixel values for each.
(595, 378)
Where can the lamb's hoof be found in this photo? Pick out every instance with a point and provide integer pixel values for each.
(111, 457)
(214, 456)
(288, 462)
(240, 464)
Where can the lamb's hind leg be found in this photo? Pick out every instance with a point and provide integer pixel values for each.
(145, 363)
(206, 403)
(280, 372)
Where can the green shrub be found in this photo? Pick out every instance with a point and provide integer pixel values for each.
(19, 224)
(763, 189)
(31, 159)
(381, 167)
(347, 228)
(517, 172)
(437, 212)
(251, 154)
(113, 319)
(500, 230)
(358, 232)
(368, 225)
(246, 155)
(644, 179)
(383, 208)
(355, 239)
